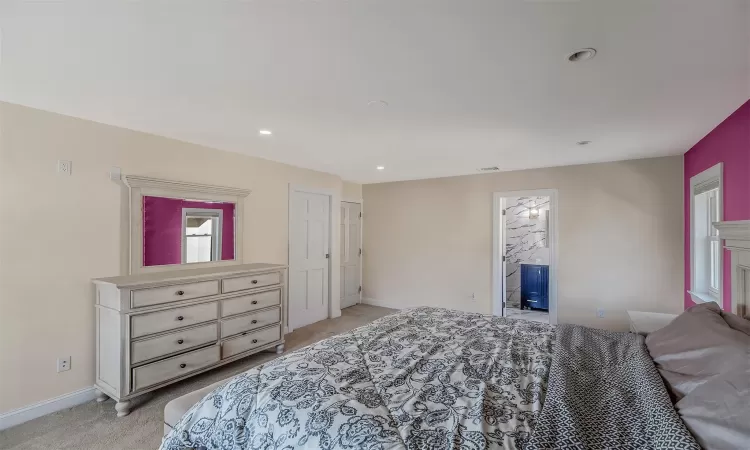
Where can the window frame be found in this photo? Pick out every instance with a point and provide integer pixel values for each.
(702, 237)
(216, 231)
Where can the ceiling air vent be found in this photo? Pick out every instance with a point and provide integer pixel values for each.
(489, 169)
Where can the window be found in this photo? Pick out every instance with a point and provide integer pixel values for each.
(201, 235)
(705, 245)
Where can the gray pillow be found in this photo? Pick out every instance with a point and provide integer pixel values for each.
(695, 347)
(717, 412)
(736, 322)
(704, 357)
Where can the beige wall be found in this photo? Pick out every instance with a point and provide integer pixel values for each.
(620, 239)
(58, 232)
(351, 192)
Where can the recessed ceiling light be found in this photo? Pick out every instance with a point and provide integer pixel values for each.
(380, 167)
(377, 103)
(582, 55)
(265, 132)
(583, 143)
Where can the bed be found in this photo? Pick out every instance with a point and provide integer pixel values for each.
(438, 378)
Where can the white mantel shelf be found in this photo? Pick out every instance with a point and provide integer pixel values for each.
(736, 230)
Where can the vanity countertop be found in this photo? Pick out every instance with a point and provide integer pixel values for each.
(186, 274)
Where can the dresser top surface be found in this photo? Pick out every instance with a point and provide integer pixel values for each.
(188, 274)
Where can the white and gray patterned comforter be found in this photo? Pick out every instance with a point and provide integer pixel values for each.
(422, 378)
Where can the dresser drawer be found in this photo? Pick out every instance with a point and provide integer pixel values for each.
(170, 319)
(250, 282)
(249, 322)
(249, 341)
(156, 296)
(173, 342)
(174, 367)
(247, 303)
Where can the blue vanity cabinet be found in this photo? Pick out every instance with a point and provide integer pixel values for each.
(534, 286)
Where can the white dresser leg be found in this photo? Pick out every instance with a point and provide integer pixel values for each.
(122, 408)
(101, 396)
(280, 349)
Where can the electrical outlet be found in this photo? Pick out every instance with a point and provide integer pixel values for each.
(64, 167)
(63, 364)
(600, 312)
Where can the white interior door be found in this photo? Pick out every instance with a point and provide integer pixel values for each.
(351, 253)
(309, 231)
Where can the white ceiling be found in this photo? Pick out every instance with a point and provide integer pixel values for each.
(470, 83)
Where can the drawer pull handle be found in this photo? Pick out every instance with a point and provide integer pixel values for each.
(254, 302)
(254, 321)
(254, 281)
(180, 292)
(180, 318)
(255, 341)
(180, 341)
(183, 365)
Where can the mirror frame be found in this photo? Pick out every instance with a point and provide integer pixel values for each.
(139, 187)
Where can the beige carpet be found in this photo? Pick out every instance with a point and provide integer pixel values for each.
(95, 425)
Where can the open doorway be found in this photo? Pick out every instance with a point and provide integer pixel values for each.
(524, 275)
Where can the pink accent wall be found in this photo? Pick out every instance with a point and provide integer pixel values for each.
(728, 143)
(162, 229)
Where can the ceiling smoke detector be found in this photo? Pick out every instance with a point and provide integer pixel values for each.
(489, 169)
(582, 55)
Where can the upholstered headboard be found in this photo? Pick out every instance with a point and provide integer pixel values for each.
(736, 236)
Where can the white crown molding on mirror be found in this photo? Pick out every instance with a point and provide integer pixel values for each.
(140, 186)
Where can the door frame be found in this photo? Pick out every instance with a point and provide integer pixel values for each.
(498, 240)
(361, 244)
(334, 305)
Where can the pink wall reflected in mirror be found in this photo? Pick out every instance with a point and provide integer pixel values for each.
(162, 229)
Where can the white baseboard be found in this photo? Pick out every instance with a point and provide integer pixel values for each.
(383, 303)
(21, 415)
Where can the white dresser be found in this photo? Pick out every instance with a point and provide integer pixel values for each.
(154, 329)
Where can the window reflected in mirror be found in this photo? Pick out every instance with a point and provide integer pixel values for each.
(201, 235)
(179, 231)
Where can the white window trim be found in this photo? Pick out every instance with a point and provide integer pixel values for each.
(218, 227)
(710, 174)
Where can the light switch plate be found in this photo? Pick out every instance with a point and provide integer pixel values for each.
(115, 173)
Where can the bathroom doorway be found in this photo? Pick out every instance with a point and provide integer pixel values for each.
(524, 255)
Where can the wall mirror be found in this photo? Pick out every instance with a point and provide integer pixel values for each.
(177, 225)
